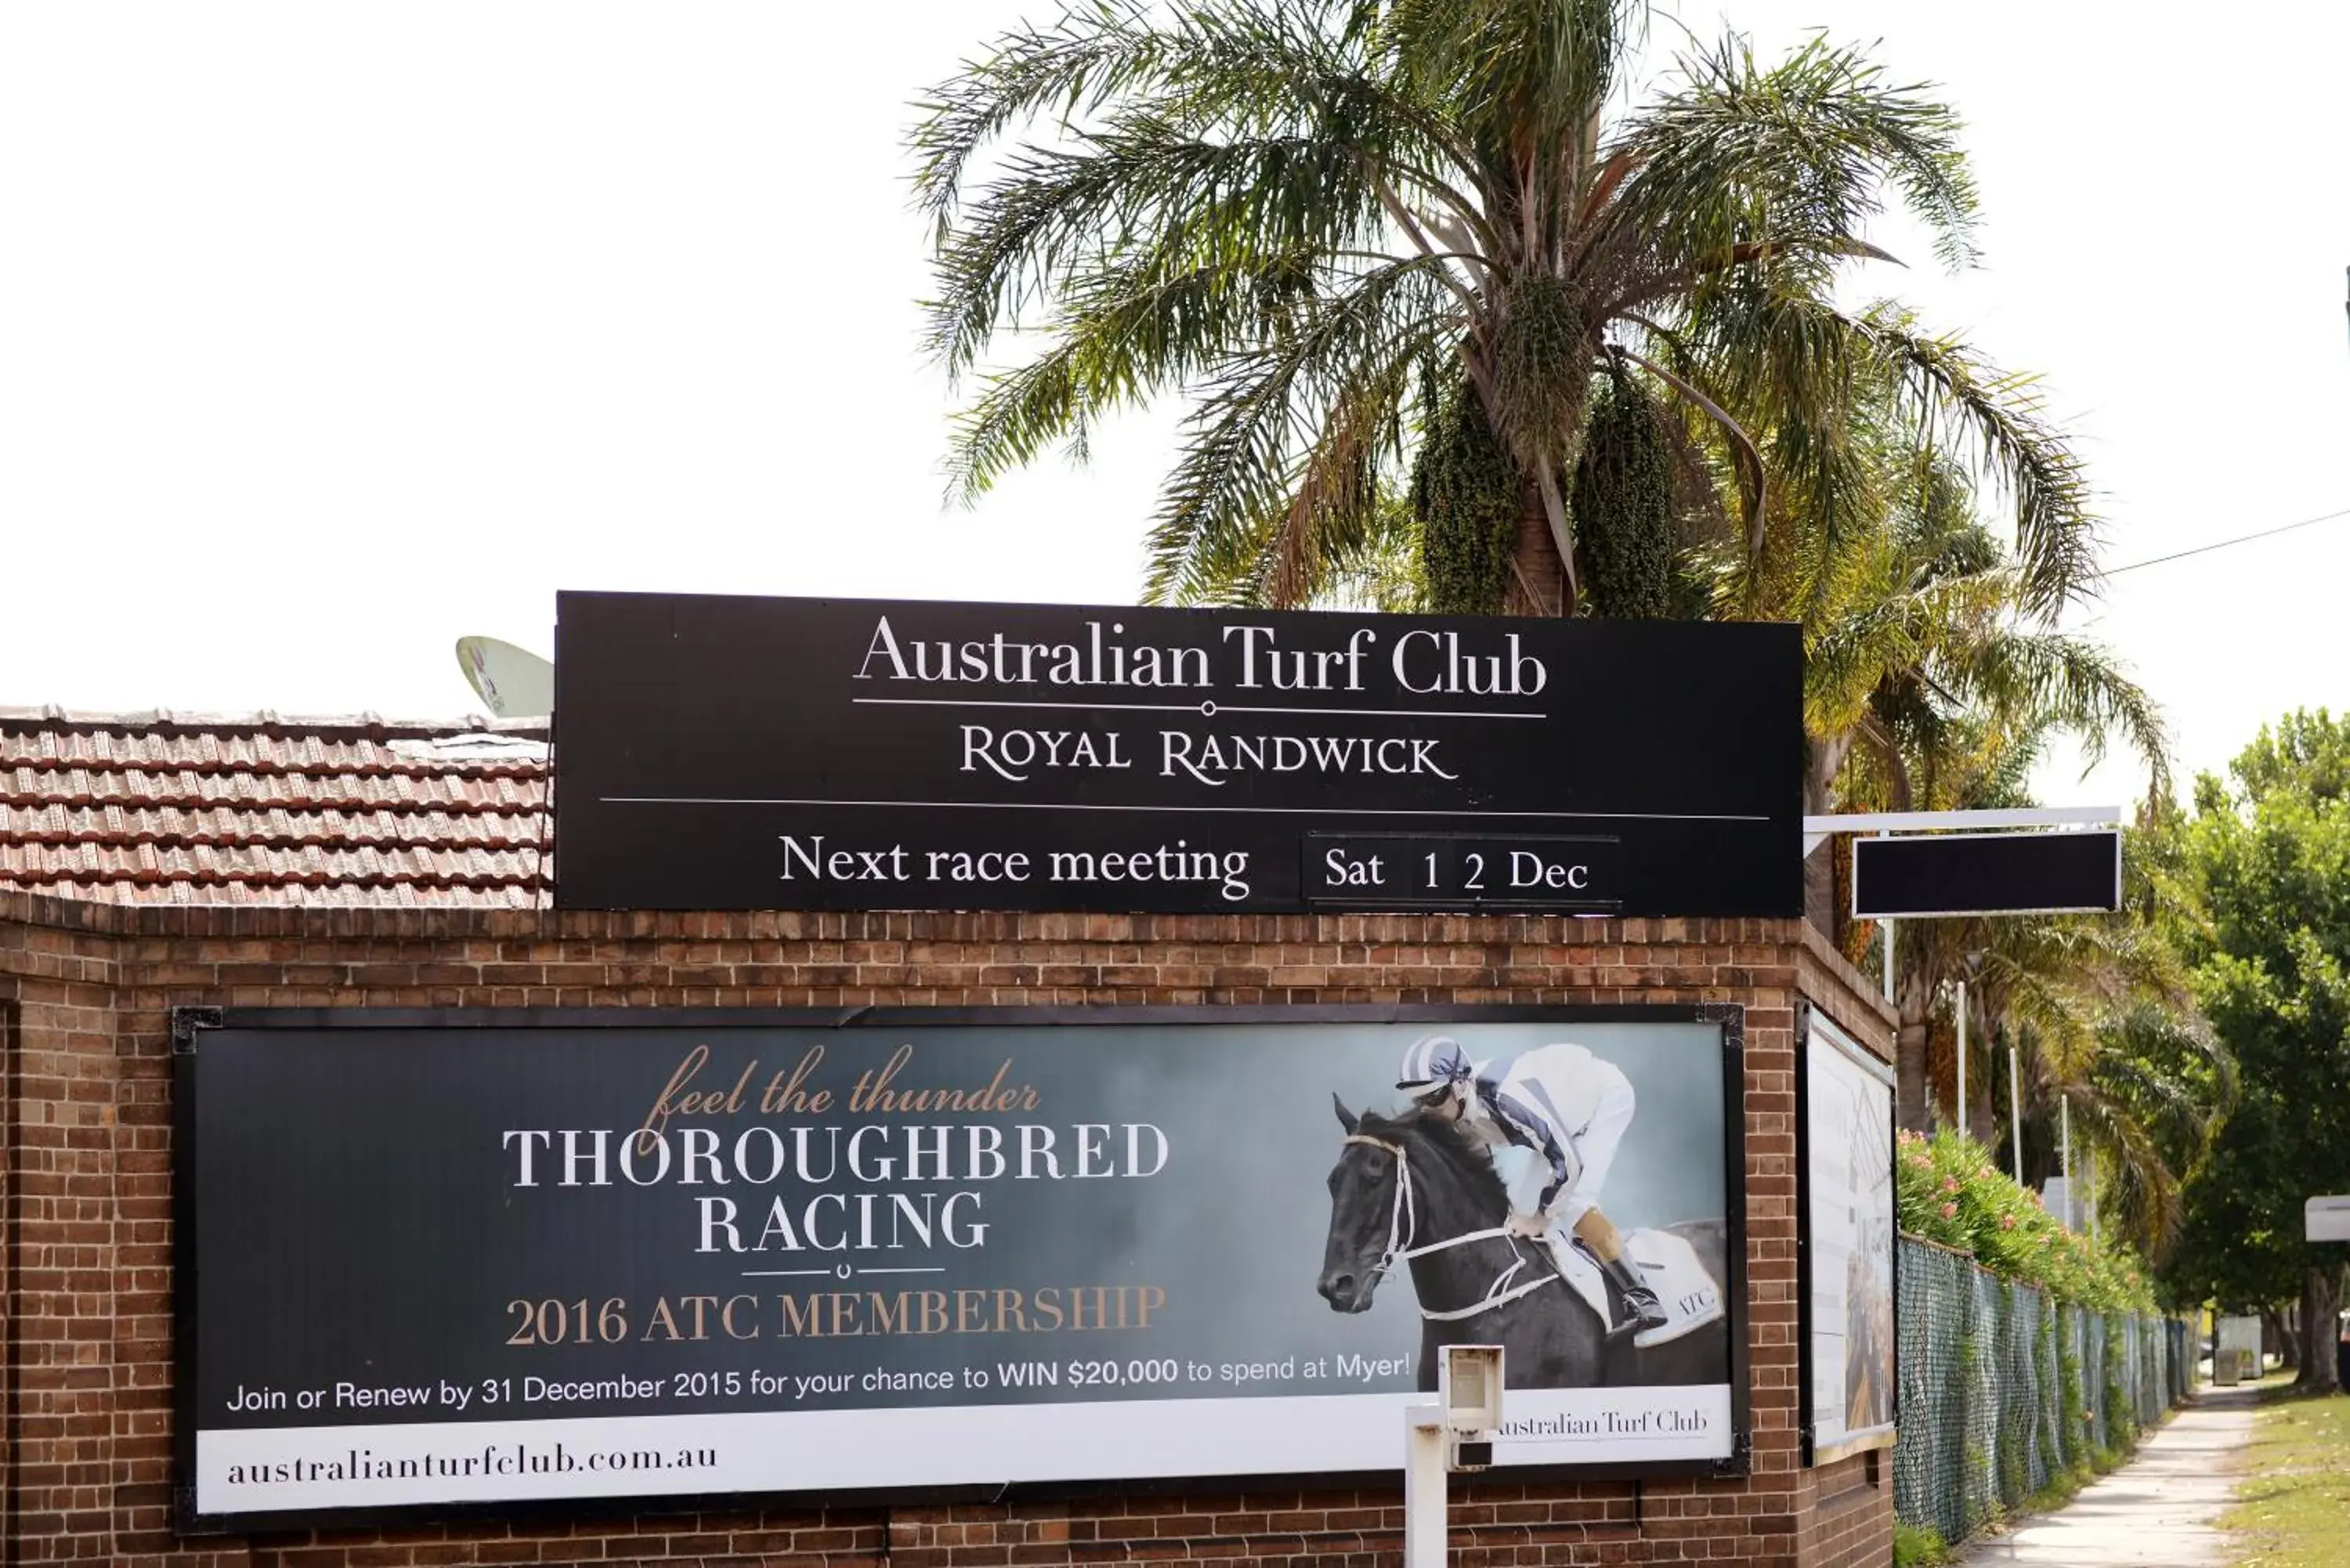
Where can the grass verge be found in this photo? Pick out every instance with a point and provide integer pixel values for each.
(1916, 1548)
(2293, 1508)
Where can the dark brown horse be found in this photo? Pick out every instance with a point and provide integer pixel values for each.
(1410, 1187)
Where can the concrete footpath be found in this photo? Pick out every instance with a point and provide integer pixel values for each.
(2156, 1509)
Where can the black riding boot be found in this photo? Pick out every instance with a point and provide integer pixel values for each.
(1643, 1311)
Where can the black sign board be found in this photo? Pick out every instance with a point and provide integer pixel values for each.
(1987, 874)
(721, 752)
(430, 1263)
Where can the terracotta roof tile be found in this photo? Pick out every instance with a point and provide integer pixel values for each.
(154, 808)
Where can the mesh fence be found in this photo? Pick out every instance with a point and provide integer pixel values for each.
(2003, 1389)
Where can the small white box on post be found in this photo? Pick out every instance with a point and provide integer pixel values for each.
(1456, 1432)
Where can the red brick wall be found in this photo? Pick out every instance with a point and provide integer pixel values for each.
(88, 1332)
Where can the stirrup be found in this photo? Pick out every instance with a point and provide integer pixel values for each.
(1640, 1317)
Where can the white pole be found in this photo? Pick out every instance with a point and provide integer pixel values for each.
(1884, 929)
(1423, 1486)
(2064, 1155)
(2015, 1112)
(1966, 1126)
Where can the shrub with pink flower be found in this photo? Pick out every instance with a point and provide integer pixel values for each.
(1950, 1192)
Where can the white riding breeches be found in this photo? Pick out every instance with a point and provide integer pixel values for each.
(1595, 1148)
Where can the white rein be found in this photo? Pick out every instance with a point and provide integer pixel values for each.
(1403, 1226)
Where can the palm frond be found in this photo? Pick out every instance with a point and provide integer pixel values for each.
(2074, 684)
(2004, 416)
(1795, 154)
(1238, 470)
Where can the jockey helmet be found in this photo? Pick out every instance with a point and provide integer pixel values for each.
(1435, 1063)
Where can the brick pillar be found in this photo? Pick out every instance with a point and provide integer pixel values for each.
(1845, 1506)
(59, 1300)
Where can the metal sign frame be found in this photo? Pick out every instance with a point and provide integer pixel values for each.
(1817, 829)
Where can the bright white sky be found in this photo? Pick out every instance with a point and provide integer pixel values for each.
(328, 333)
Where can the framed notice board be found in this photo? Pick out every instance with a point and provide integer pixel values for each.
(439, 1262)
(1846, 1264)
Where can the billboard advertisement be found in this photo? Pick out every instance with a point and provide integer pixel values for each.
(718, 752)
(456, 1261)
(1849, 1228)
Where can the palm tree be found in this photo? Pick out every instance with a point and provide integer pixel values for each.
(1927, 667)
(2099, 1011)
(2146, 1091)
(1922, 637)
(1391, 247)
(2098, 1006)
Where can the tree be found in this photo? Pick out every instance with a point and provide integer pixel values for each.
(2098, 1007)
(2267, 862)
(1930, 684)
(1391, 246)
(1925, 649)
(2100, 1013)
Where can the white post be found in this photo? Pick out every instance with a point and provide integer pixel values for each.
(1423, 1486)
(2065, 1153)
(1884, 929)
(2015, 1111)
(1965, 1126)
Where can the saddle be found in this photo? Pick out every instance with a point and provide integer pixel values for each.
(1690, 1297)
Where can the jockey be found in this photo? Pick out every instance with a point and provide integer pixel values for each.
(1571, 1110)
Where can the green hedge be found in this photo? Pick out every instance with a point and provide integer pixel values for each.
(1951, 1192)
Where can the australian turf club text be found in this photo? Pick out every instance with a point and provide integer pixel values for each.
(1423, 663)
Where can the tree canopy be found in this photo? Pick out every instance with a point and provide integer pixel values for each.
(2266, 861)
(1395, 248)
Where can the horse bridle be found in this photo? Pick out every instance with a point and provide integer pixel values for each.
(1403, 1227)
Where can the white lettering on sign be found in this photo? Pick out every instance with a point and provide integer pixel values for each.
(1098, 660)
(1011, 754)
(1432, 661)
(1423, 662)
(1528, 869)
(811, 861)
(1182, 754)
(1299, 669)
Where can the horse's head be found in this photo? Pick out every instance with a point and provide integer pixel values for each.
(1362, 1213)
(1454, 1189)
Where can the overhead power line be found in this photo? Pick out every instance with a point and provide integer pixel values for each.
(2223, 544)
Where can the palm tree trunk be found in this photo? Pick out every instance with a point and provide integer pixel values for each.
(1983, 1120)
(1826, 868)
(1912, 1091)
(1820, 902)
(1537, 578)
